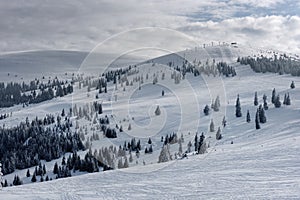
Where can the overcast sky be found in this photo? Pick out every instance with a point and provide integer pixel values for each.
(74, 25)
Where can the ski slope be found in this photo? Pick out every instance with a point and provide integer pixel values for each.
(260, 164)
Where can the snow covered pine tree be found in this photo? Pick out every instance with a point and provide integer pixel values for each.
(1, 175)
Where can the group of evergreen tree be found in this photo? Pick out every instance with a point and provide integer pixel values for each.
(4, 116)
(199, 143)
(171, 139)
(276, 99)
(287, 100)
(133, 145)
(16, 93)
(225, 69)
(281, 65)
(25, 145)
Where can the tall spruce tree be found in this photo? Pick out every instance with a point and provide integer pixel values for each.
(284, 100)
(273, 96)
(218, 134)
(212, 126)
(288, 100)
(262, 116)
(248, 118)
(238, 111)
(217, 104)
(1, 174)
(257, 126)
(265, 102)
(255, 99)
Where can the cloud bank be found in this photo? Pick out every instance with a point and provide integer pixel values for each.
(78, 25)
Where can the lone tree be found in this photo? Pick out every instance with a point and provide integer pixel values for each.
(157, 111)
(257, 126)
(248, 118)
(255, 99)
(238, 111)
(292, 85)
(206, 110)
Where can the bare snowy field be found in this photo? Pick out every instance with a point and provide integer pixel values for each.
(260, 164)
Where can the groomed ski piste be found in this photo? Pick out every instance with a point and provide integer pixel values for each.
(245, 164)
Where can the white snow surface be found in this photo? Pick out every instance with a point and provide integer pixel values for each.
(260, 164)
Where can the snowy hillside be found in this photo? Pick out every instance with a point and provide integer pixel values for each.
(247, 163)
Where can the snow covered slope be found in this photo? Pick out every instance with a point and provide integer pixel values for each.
(260, 164)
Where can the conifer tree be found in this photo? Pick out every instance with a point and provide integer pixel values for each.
(129, 127)
(238, 112)
(224, 122)
(33, 179)
(284, 100)
(150, 149)
(265, 102)
(248, 119)
(292, 85)
(157, 111)
(202, 144)
(100, 109)
(130, 157)
(206, 110)
(1, 174)
(257, 120)
(212, 126)
(262, 116)
(180, 146)
(277, 102)
(164, 155)
(217, 104)
(120, 163)
(196, 142)
(255, 99)
(218, 134)
(273, 96)
(189, 145)
(28, 173)
(288, 100)
(126, 164)
(55, 168)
